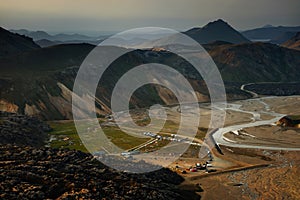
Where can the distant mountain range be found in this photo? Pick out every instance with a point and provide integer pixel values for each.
(46, 43)
(213, 31)
(39, 35)
(216, 31)
(44, 39)
(39, 81)
(273, 34)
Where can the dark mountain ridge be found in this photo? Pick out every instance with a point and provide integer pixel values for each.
(257, 62)
(283, 37)
(216, 31)
(40, 82)
(11, 43)
(293, 43)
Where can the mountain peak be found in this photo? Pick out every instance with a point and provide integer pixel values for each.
(218, 30)
(217, 24)
(218, 21)
(268, 26)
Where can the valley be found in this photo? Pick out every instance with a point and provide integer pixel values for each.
(250, 141)
(259, 113)
(157, 148)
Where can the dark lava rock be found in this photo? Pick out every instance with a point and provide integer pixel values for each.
(22, 130)
(30, 173)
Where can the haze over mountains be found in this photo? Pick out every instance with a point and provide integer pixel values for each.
(39, 81)
(218, 30)
(270, 33)
(39, 35)
(44, 39)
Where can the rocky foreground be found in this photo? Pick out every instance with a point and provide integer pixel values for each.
(22, 130)
(30, 173)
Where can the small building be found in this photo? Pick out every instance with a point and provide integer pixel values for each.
(289, 121)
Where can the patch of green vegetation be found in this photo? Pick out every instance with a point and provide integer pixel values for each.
(66, 136)
(122, 139)
(155, 146)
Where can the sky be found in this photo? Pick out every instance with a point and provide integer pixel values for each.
(83, 16)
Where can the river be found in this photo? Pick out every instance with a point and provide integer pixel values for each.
(256, 121)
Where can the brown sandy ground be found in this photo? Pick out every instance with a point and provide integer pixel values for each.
(267, 135)
(252, 174)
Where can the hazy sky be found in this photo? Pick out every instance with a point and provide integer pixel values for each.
(118, 15)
